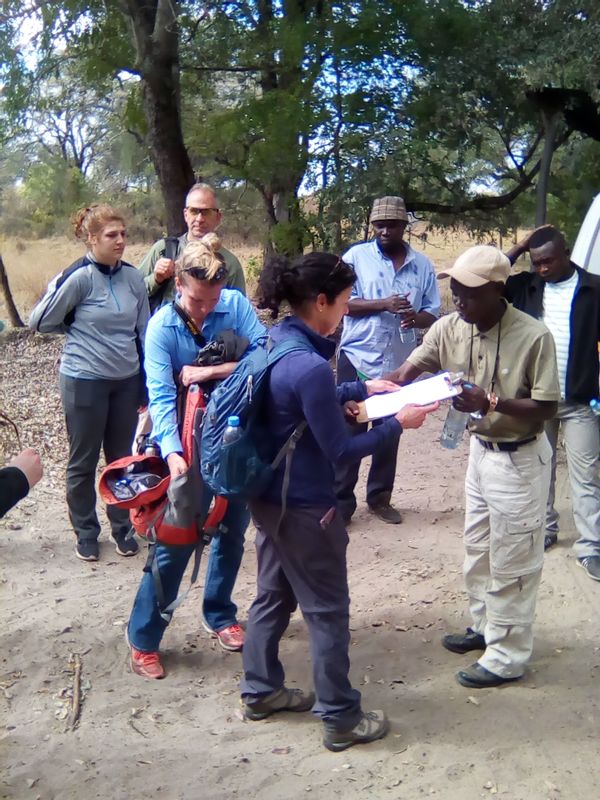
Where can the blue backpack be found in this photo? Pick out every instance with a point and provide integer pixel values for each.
(242, 469)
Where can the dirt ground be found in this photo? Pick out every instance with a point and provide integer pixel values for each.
(183, 738)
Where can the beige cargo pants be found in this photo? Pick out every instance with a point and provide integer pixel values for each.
(506, 495)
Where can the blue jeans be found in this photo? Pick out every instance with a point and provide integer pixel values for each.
(146, 626)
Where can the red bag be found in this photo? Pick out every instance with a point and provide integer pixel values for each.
(163, 510)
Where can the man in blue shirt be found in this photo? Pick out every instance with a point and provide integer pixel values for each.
(171, 351)
(395, 292)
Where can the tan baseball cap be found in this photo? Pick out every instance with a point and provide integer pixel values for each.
(479, 265)
(388, 208)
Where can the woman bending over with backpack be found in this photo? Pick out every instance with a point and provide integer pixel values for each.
(100, 304)
(202, 310)
(302, 556)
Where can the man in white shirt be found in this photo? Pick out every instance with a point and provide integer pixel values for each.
(567, 299)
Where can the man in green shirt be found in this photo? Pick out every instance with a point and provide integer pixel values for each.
(202, 215)
(509, 361)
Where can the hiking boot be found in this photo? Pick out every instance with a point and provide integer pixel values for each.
(478, 677)
(550, 539)
(591, 564)
(371, 726)
(146, 664)
(463, 642)
(87, 549)
(281, 700)
(387, 513)
(230, 638)
(125, 544)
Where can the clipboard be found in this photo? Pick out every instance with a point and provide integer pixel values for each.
(420, 393)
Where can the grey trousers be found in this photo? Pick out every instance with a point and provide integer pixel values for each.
(306, 566)
(579, 428)
(99, 413)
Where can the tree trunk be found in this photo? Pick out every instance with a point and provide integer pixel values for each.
(551, 119)
(169, 154)
(13, 314)
(155, 35)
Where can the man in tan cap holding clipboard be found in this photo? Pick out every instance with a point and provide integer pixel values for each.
(510, 363)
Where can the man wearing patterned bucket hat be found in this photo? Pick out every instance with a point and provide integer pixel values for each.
(509, 361)
(394, 293)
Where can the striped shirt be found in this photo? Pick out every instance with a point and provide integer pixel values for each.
(558, 298)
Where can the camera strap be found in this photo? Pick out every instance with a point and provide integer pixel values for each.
(189, 324)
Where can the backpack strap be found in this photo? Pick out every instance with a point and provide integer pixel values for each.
(288, 451)
(212, 527)
(189, 324)
(275, 353)
(171, 250)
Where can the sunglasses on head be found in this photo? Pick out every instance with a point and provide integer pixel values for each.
(340, 266)
(201, 274)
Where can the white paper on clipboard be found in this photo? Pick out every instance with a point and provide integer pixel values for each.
(439, 387)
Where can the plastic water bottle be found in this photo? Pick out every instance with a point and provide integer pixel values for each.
(233, 431)
(595, 406)
(454, 428)
(407, 335)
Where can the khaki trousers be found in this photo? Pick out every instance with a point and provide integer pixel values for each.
(506, 495)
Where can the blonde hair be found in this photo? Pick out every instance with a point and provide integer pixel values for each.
(202, 257)
(88, 222)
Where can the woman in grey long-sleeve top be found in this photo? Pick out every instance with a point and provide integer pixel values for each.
(100, 304)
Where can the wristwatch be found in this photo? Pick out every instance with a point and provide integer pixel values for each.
(493, 401)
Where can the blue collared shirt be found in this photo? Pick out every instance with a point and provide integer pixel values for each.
(170, 346)
(372, 343)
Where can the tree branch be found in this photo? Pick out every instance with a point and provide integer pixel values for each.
(485, 202)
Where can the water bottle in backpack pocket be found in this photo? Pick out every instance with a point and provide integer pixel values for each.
(240, 468)
(238, 459)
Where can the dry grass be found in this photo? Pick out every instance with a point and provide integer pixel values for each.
(31, 264)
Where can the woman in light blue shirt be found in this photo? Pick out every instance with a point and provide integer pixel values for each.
(171, 352)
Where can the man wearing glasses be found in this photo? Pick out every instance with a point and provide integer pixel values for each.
(202, 216)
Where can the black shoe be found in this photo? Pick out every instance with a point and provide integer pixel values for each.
(281, 700)
(387, 513)
(591, 564)
(126, 545)
(87, 549)
(371, 726)
(550, 539)
(478, 677)
(463, 642)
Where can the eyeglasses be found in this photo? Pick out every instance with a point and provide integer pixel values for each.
(207, 213)
(201, 274)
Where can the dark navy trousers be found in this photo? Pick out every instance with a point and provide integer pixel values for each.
(305, 565)
(380, 482)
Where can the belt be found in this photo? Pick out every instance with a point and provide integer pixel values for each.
(505, 447)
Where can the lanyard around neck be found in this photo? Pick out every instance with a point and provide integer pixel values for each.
(496, 359)
(189, 323)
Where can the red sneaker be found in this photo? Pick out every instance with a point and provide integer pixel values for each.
(230, 638)
(147, 664)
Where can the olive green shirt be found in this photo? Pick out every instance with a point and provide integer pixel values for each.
(525, 366)
(235, 280)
